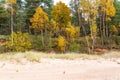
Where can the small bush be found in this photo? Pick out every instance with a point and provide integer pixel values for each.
(36, 42)
(21, 42)
(61, 43)
(2, 49)
(75, 47)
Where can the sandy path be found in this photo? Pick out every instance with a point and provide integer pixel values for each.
(55, 69)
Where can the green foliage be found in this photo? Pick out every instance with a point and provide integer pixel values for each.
(74, 6)
(115, 41)
(75, 47)
(2, 43)
(2, 49)
(21, 42)
(4, 19)
(37, 43)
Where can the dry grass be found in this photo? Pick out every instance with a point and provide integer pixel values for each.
(111, 54)
(36, 56)
(17, 56)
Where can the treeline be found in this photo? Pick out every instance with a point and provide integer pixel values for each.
(84, 26)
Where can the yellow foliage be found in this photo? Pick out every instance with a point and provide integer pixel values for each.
(113, 29)
(119, 24)
(39, 19)
(108, 19)
(21, 42)
(108, 7)
(11, 1)
(94, 28)
(61, 14)
(72, 31)
(61, 43)
(90, 8)
(54, 25)
(111, 11)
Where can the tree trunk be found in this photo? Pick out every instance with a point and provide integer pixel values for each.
(12, 22)
(42, 39)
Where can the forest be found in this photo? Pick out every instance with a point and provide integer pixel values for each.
(85, 26)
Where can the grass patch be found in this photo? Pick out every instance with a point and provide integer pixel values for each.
(69, 56)
(111, 54)
(36, 56)
(33, 56)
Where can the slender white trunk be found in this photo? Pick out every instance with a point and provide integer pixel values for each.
(12, 22)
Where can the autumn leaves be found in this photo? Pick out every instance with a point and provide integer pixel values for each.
(59, 25)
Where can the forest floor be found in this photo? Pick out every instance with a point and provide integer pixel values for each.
(102, 68)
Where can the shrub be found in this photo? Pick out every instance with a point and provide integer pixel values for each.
(2, 49)
(113, 29)
(61, 43)
(75, 47)
(21, 42)
(36, 42)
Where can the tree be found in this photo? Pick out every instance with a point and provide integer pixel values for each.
(74, 7)
(116, 18)
(47, 6)
(20, 17)
(88, 10)
(106, 12)
(4, 19)
(39, 21)
(67, 33)
(61, 14)
(31, 6)
(10, 4)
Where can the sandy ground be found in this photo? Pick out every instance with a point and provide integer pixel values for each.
(56, 69)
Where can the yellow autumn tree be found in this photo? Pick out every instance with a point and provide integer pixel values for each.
(107, 11)
(61, 14)
(39, 23)
(61, 19)
(90, 12)
(89, 8)
(39, 20)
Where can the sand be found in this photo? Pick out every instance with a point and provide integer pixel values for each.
(57, 69)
